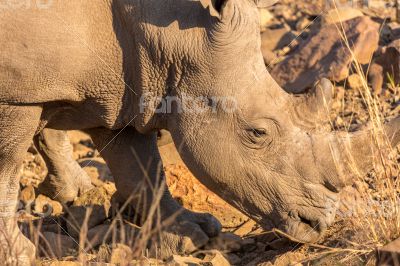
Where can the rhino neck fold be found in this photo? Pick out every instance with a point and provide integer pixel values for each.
(167, 43)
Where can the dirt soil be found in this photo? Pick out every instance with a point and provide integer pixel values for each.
(243, 242)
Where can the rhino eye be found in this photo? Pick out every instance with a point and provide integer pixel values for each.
(257, 138)
(259, 132)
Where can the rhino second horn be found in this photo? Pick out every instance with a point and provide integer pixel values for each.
(364, 149)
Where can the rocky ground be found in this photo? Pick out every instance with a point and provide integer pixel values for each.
(302, 43)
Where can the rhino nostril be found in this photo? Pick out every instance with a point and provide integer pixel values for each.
(313, 224)
(328, 185)
(306, 221)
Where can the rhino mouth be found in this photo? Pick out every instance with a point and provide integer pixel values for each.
(304, 226)
(307, 219)
(304, 229)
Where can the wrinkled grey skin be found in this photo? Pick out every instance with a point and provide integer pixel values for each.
(86, 64)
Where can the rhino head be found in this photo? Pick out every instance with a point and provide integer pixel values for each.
(244, 137)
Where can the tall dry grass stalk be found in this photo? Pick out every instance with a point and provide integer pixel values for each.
(143, 239)
(375, 220)
(384, 226)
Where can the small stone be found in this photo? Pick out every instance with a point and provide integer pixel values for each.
(355, 82)
(340, 92)
(302, 24)
(376, 4)
(121, 255)
(46, 206)
(100, 196)
(283, 51)
(246, 228)
(181, 261)
(215, 259)
(339, 122)
(27, 195)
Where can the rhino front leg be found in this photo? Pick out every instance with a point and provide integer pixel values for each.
(135, 163)
(18, 124)
(65, 178)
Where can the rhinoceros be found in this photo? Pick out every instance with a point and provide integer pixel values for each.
(121, 70)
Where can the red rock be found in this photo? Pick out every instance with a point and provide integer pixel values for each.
(323, 54)
(273, 39)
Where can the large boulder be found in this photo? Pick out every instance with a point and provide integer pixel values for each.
(324, 54)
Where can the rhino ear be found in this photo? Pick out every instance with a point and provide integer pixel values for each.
(265, 3)
(215, 6)
(218, 4)
(225, 8)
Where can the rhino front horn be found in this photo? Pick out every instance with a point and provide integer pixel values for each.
(312, 109)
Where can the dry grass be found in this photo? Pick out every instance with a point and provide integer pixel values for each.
(120, 231)
(372, 229)
(371, 225)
